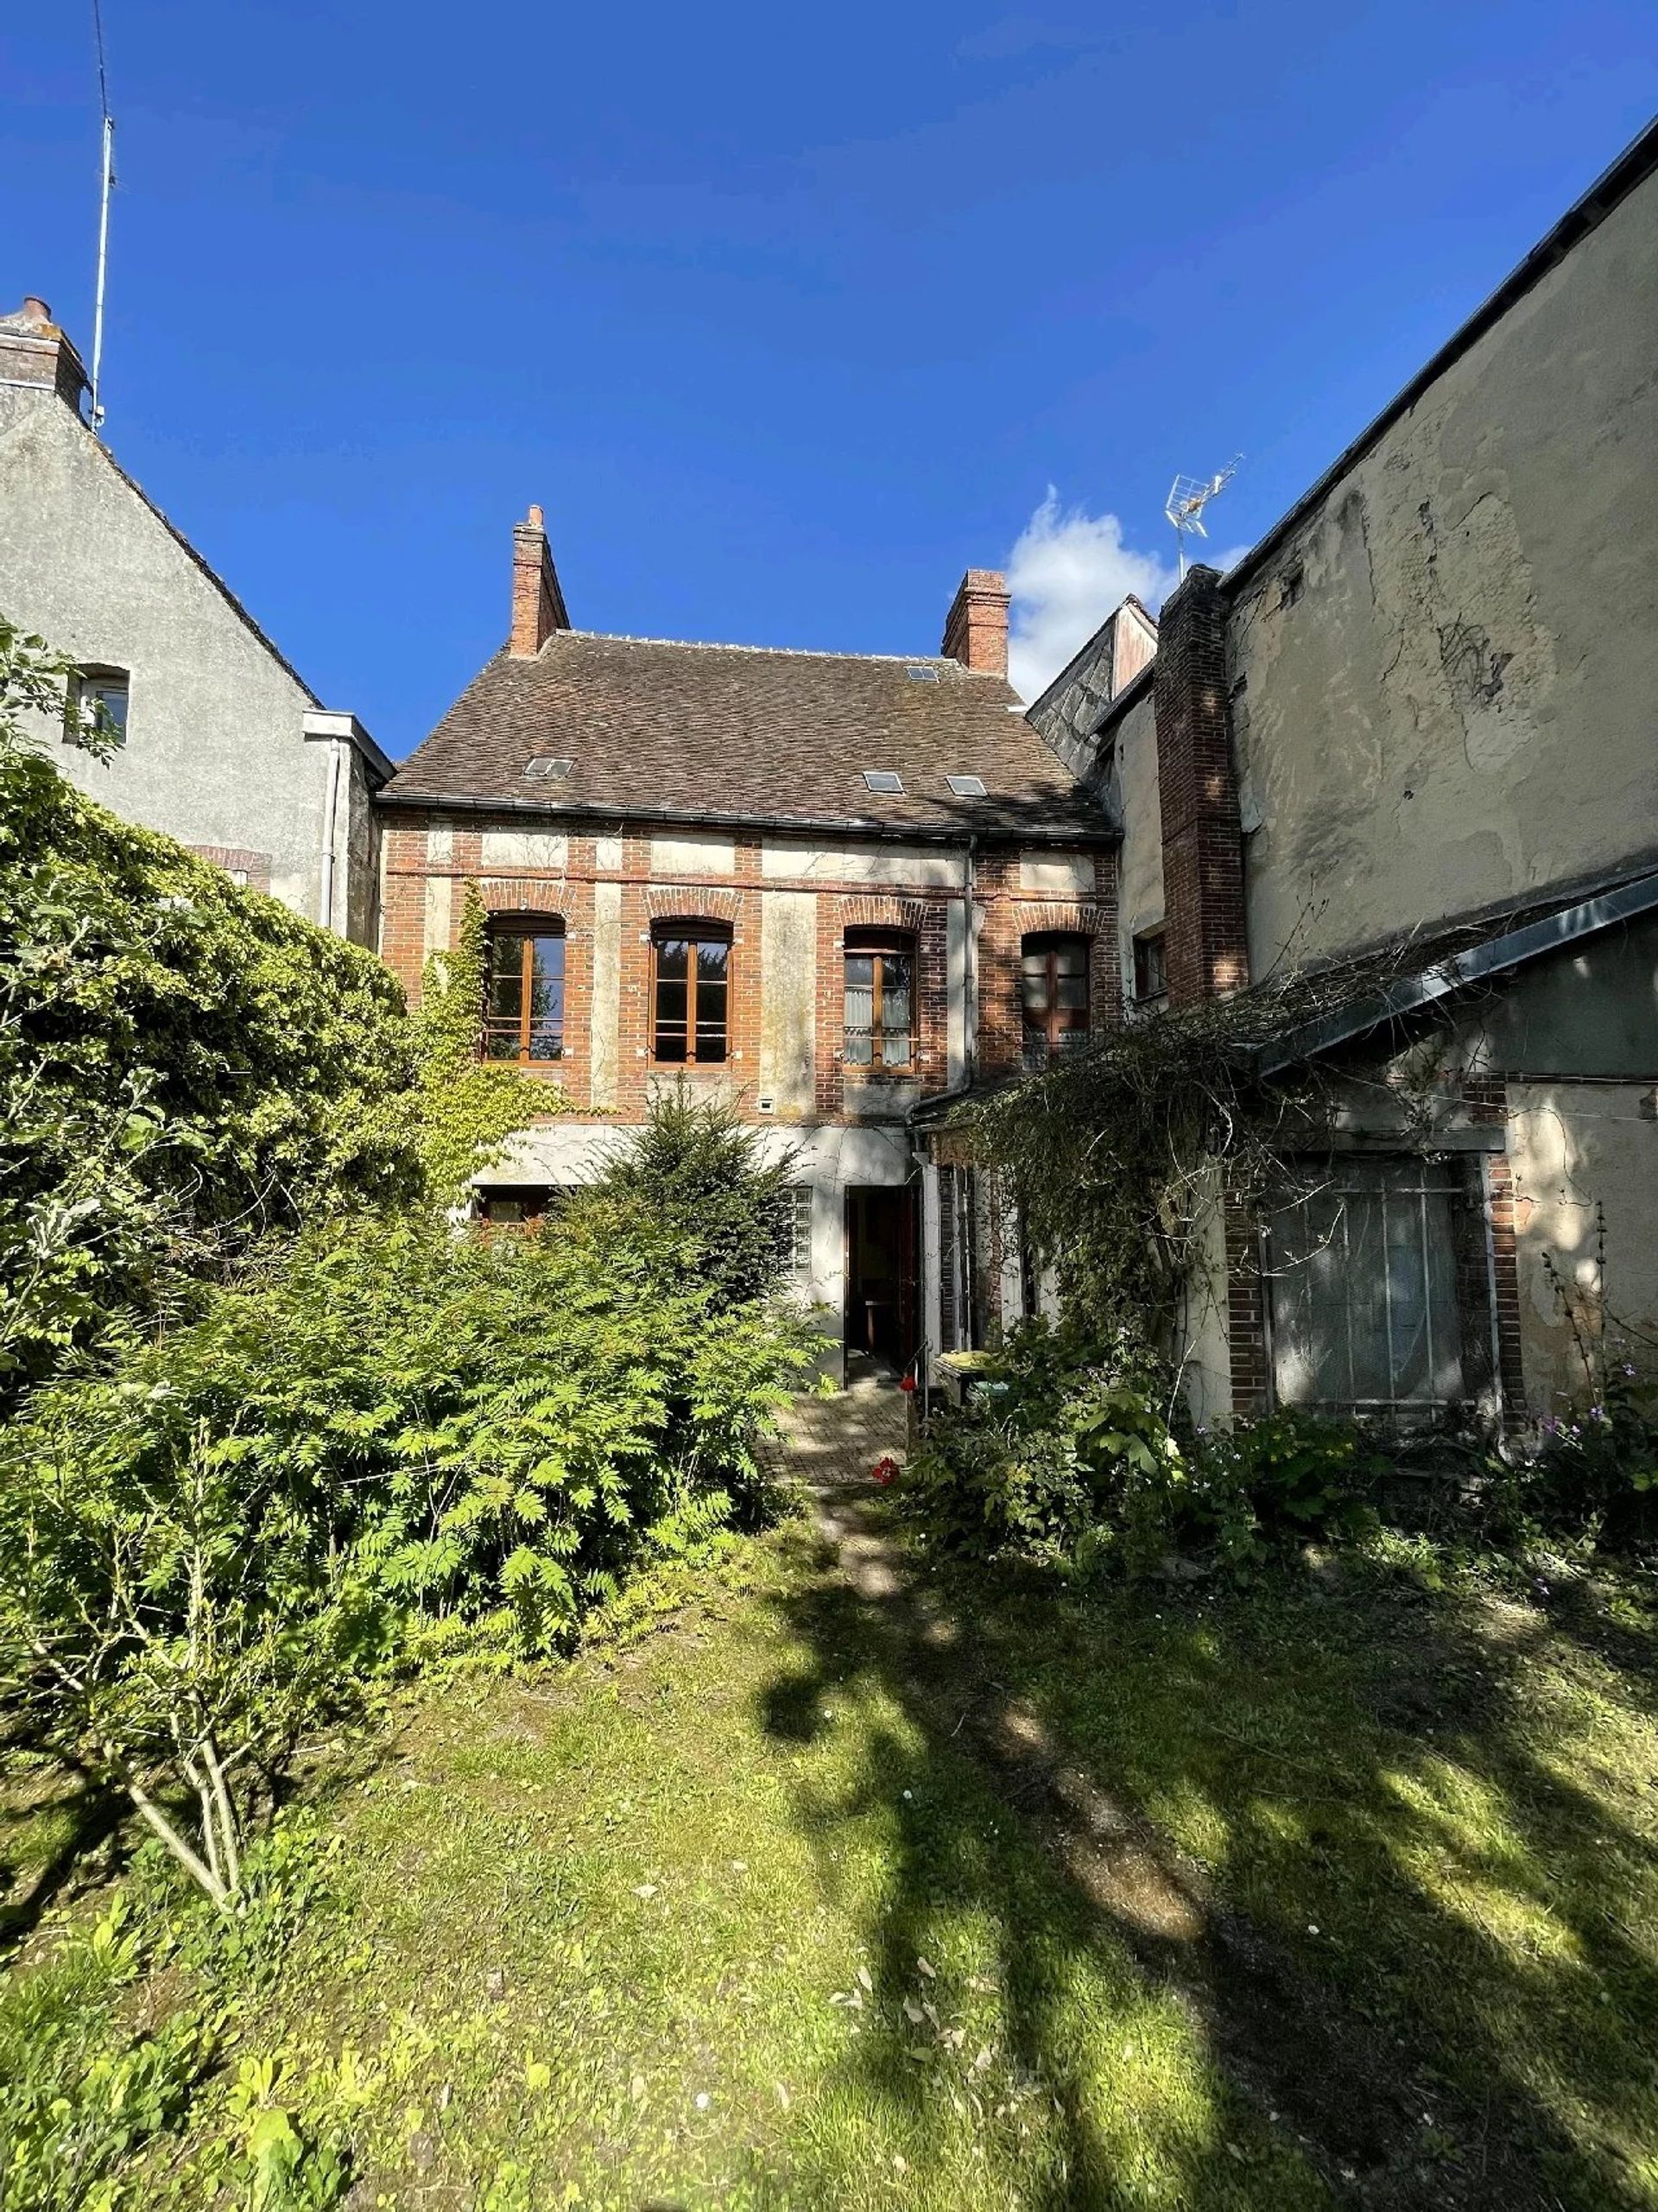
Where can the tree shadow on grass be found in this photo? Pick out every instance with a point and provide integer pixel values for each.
(1392, 1947)
(57, 1834)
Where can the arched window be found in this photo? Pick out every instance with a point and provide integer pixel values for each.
(1054, 992)
(689, 991)
(523, 1006)
(880, 999)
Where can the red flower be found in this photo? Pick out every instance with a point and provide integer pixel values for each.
(885, 1471)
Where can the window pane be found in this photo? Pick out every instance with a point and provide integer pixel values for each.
(1071, 958)
(671, 956)
(710, 962)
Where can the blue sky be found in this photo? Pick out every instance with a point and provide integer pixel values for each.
(785, 316)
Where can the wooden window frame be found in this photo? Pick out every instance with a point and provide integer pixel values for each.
(877, 944)
(690, 930)
(1050, 1030)
(1144, 940)
(528, 930)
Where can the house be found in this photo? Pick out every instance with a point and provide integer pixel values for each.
(223, 747)
(831, 888)
(1406, 752)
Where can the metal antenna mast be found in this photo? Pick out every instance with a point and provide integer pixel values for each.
(1189, 495)
(103, 212)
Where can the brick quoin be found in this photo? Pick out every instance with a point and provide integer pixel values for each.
(1203, 847)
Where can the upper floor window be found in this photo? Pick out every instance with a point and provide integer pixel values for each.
(102, 691)
(1150, 966)
(880, 999)
(523, 1012)
(1053, 992)
(690, 990)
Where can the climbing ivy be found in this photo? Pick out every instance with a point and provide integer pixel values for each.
(466, 1106)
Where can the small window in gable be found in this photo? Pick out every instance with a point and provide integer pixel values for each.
(103, 693)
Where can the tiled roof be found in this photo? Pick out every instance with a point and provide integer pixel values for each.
(744, 732)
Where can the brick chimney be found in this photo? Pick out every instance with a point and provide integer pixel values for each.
(36, 356)
(976, 627)
(537, 602)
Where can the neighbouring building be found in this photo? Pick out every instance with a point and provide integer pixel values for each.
(831, 887)
(222, 746)
(1409, 747)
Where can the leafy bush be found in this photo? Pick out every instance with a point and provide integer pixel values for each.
(694, 1189)
(1077, 1456)
(183, 1065)
(198, 1548)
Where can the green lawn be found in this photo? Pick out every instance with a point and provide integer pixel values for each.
(1341, 1892)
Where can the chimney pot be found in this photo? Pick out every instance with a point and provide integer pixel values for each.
(35, 310)
(976, 627)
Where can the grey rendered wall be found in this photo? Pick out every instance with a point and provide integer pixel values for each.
(1443, 685)
(215, 753)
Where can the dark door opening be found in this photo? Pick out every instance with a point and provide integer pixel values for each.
(882, 1267)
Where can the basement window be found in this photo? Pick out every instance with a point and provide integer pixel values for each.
(966, 787)
(549, 770)
(884, 780)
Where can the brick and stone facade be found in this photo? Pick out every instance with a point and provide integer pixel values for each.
(616, 787)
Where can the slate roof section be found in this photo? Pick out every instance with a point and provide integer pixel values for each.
(739, 732)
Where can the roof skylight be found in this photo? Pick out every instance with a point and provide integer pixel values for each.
(547, 769)
(966, 787)
(919, 674)
(884, 780)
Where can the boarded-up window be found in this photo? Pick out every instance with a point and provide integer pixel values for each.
(1363, 1271)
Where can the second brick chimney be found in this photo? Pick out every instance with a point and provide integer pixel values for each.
(976, 627)
(35, 355)
(537, 602)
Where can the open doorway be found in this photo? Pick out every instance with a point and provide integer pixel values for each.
(882, 1268)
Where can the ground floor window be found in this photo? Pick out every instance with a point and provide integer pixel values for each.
(1377, 1293)
(798, 1238)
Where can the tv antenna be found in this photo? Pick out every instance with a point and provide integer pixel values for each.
(1187, 498)
(108, 186)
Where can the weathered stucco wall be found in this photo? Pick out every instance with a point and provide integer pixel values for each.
(1585, 1160)
(216, 753)
(1133, 793)
(1442, 683)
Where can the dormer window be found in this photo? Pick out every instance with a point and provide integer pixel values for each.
(884, 781)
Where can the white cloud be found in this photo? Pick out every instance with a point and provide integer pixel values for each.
(1068, 570)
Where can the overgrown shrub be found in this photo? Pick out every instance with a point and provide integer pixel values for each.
(694, 1190)
(398, 1423)
(184, 1066)
(1078, 1456)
